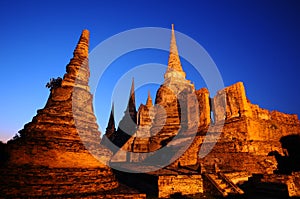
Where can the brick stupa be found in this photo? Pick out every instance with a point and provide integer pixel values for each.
(159, 124)
(233, 142)
(58, 153)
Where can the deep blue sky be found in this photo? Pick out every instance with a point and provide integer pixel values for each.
(257, 42)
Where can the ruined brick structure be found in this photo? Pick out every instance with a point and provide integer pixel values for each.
(167, 117)
(249, 133)
(58, 153)
(142, 135)
(222, 142)
(243, 132)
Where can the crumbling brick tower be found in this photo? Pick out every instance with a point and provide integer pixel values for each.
(58, 153)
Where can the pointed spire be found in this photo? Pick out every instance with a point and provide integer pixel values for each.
(149, 100)
(132, 95)
(111, 128)
(173, 46)
(131, 101)
(127, 125)
(78, 67)
(111, 117)
(174, 60)
(82, 49)
(131, 108)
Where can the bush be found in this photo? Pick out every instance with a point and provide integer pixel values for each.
(54, 83)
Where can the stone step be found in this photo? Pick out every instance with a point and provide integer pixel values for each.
(229, 190)
(223, 185)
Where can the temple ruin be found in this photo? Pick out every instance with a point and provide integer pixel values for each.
(220, 146)
(246, 135)
(58, 153)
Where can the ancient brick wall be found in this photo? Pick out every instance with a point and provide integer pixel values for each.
(230, 103)
(184, 184)
(235, 134)
(204, 108)
(34, 181)
(249, 132)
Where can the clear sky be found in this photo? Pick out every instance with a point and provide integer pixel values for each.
(257, 42)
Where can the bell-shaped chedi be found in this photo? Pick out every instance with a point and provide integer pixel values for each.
(157, 125)
(58, 153)
(168, 99)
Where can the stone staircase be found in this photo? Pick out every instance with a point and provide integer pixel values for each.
(224, 185)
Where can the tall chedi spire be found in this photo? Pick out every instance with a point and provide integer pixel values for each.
(60, 140)
(131, 108)
(110, 130)
(111, 127)
(174, 66)
(78, 72)
(149, 100)
(167, 97)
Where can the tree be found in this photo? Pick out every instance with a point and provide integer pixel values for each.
(54, 83)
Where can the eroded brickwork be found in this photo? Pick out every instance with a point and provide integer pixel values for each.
(232, 135)
(59, 152)
(249, 134)
(183, 184)
(227, 134)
